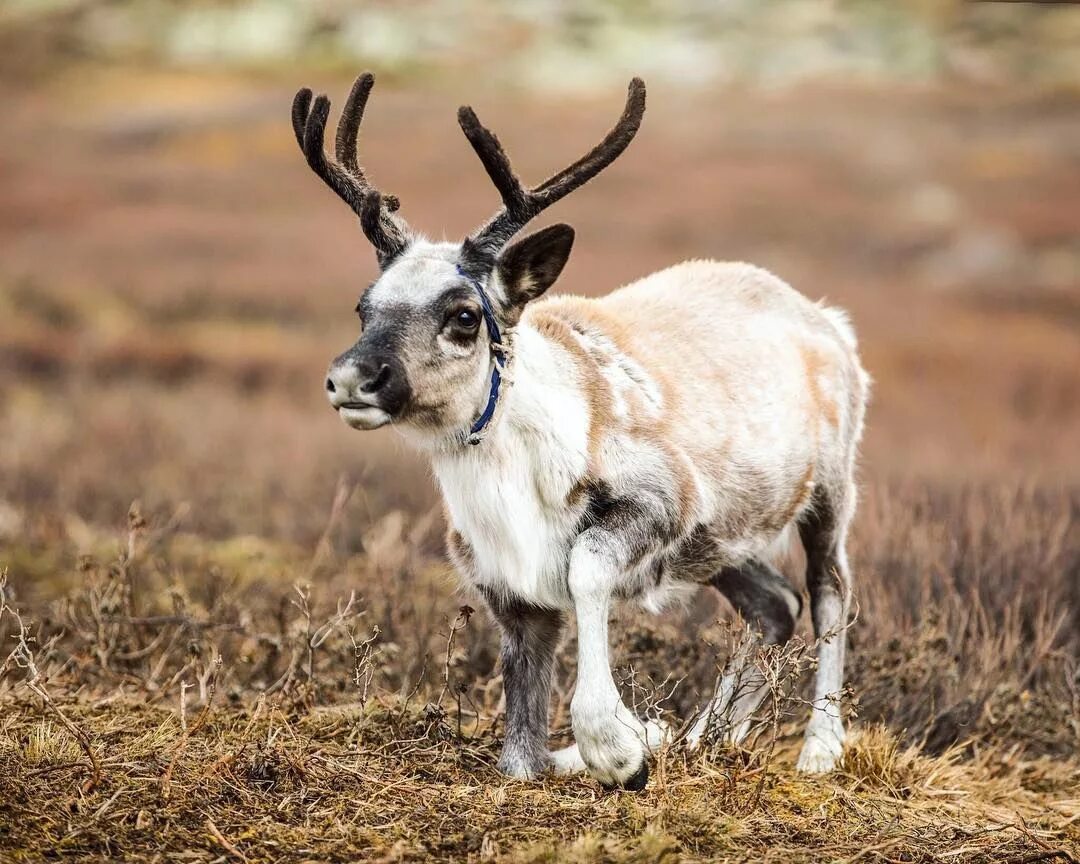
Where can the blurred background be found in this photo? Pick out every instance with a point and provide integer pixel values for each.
(174, 280)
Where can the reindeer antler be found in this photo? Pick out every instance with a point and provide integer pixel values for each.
(521, 205)
(388, 233)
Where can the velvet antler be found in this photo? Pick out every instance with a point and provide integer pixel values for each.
(387, 232)
(521, 205)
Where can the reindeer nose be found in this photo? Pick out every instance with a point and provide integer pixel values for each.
(363, 380)
(343, 383)
(373, 375)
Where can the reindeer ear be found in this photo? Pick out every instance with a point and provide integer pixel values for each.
(530, 266)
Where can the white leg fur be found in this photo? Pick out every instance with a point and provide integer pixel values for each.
(567, 760)
(722, 714)
(824, 742)
(737, 696)
(612, 742)
(823, 746)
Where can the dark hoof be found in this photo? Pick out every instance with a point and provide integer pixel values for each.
(636, 782)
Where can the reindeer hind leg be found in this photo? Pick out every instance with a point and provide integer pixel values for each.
(766, 600)
(823, 530)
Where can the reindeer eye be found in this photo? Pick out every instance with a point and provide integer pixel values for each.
(467, 319)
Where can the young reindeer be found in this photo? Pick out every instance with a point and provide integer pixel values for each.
(590, 450)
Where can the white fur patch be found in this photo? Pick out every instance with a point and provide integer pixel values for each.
(507, 496)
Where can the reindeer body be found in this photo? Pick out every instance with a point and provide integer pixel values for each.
(589, 450)
(710, 396)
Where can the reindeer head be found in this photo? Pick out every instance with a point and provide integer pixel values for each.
(435, 323)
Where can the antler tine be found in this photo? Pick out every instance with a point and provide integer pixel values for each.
(349, 125)
(331, 173)
(604, 153)
(494, 159)
(387, 233)
(521, 205)
(300, 106)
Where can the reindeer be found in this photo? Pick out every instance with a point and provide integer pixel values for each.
(628, 447)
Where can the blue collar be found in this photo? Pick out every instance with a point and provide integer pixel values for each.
(499, 354)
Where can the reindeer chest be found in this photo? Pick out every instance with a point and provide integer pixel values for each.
(515, 523)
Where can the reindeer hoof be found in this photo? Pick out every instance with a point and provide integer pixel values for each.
(635, 783)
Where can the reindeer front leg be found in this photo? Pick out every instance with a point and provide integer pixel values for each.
(530, 635)
(612, 742)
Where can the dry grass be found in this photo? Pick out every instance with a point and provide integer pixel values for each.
(181, 697)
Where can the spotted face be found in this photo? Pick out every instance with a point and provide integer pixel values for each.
(424, 355)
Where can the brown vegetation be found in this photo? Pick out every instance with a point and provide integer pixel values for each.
(180, 697)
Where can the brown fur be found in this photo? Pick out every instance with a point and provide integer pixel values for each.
(459, 551)
(814, 364)
(595, 387)
(559, 322)
(803, 493)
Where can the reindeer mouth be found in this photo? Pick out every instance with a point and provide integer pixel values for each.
(360, 415)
